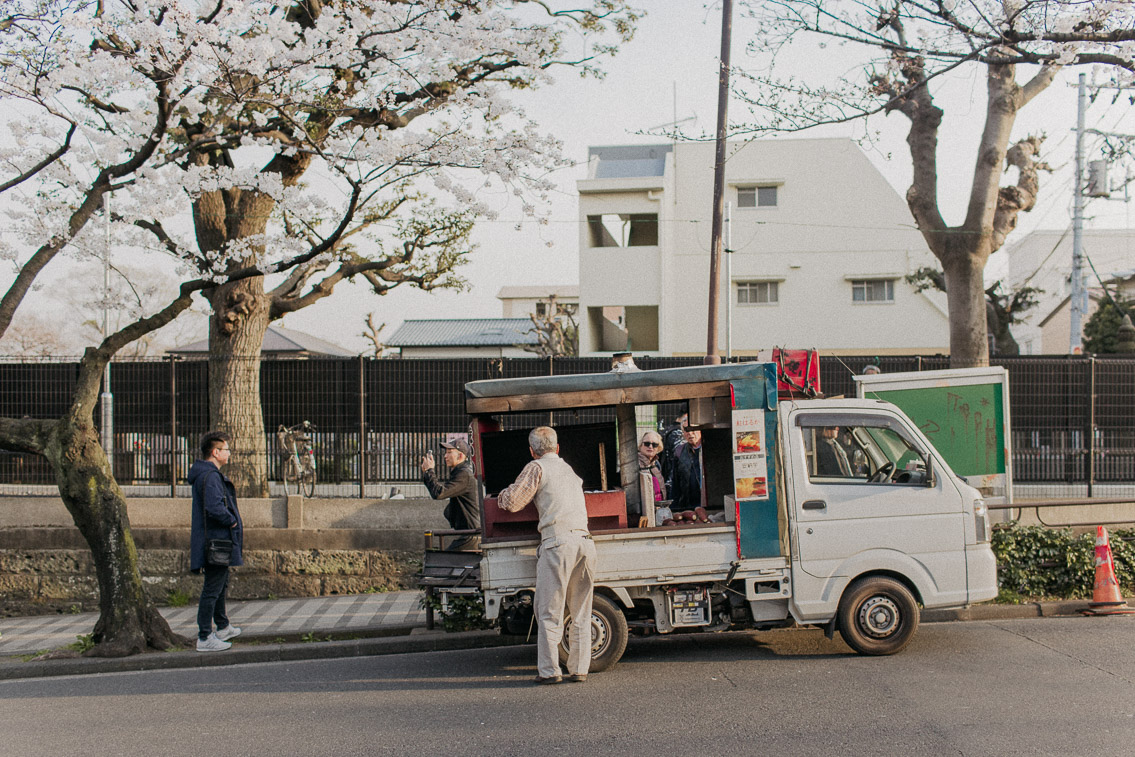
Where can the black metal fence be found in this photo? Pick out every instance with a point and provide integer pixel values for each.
(1073, 419)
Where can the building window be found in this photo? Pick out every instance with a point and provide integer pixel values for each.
(624, 230)
(757, 292)
(873, 290)
(756, 197)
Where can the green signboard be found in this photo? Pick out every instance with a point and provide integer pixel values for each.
(965, 423)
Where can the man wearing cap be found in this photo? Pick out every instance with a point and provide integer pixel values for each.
(460, 487)
(565, 560)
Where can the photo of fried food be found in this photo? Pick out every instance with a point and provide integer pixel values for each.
(755, 487)
(748, 441)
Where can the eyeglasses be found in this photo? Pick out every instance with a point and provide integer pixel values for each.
(656, 445)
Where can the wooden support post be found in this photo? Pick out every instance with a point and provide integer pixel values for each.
(628, 456)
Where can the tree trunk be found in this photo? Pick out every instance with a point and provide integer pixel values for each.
(236, 335)
(128, 623)
(969, 346)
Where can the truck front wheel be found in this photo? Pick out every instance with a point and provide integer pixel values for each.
(608, 635)
(877, 616)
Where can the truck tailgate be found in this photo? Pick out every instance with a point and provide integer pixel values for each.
(649, 556)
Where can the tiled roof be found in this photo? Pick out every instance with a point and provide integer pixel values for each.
(280, 341)
(462, 332)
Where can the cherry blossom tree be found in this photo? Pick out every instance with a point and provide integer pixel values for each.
(905, 48)
(266, 152)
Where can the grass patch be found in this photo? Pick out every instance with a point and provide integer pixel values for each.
(83, 643)
(178, 598)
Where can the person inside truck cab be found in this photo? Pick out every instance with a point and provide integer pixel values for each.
(831, 457)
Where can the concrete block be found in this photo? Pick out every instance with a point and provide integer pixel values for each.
(264, 586)
(67, 562)
(325, 562)
(358, 584)
(295, 511)
(163, 562)
(81, 588)
(19, 587)
(260, 561)
(417, 514)
(34, 512)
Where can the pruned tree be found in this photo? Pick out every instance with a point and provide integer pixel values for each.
(556, 332)
(1002, 309)
(296, 139)
(906, 47)
(373, 334)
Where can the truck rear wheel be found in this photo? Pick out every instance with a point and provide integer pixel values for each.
(608, 635)
(877, 616)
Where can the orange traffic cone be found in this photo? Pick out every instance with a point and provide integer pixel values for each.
(1106, 599)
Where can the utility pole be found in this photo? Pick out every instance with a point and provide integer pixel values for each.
(729, 282)
(1078, 298)
(711, 355)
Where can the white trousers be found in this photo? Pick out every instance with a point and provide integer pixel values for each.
(565, 577)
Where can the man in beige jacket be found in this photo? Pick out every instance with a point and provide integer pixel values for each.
(565, 566)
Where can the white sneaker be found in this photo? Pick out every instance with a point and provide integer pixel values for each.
(212, 644)
(228, 632)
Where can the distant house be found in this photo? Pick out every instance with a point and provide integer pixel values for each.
(821, 248)
(1043, 259)
(278, 343)
(522, 301)
(1055, 329)
(463, 337)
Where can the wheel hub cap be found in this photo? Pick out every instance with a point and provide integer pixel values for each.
(879, 617)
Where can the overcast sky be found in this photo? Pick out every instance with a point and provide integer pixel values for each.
(671, 68)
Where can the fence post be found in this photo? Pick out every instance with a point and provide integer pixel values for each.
(1091, 422)
(172, 426)
(362, 429)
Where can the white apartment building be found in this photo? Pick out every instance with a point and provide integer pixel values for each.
(821, 243)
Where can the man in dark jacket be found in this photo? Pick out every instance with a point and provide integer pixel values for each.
(215, 516)
(463, 511)
(686, 478)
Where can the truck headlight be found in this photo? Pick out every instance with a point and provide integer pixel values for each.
(981, 521)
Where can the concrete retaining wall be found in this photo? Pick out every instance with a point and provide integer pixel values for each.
(293, 548)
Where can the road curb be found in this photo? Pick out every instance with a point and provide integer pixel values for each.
(264, 652)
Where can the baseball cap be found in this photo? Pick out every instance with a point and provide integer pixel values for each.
(460, 446)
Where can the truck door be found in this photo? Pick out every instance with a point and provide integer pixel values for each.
(862, 503)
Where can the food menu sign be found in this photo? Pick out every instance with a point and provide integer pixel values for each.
(750, 455)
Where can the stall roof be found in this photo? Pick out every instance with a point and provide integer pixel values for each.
(599, 389)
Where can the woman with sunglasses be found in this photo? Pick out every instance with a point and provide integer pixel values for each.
(649, 450)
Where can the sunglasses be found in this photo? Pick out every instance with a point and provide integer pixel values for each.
(656, 445)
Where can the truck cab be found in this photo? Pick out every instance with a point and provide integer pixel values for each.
(830, 512)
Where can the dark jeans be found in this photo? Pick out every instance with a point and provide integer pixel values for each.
(212, 605)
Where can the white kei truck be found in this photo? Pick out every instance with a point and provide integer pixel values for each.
(853, 542)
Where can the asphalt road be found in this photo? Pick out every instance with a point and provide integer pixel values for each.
(1059, 686)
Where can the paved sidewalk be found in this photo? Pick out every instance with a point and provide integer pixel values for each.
(391, 612)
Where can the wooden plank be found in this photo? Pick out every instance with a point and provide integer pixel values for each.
(636, 395)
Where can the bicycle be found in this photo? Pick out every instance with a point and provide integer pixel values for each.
(299, 461)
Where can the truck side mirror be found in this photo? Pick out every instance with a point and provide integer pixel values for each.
(930, 472)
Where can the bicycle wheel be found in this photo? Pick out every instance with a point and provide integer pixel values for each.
(307, 480)
(291, 475)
